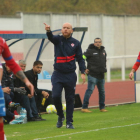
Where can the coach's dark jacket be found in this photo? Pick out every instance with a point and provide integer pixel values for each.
(66, 52)
(96, 61)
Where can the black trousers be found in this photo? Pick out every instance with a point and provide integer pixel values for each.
(68, 82)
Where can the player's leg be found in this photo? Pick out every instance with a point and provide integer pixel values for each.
(57, 87)
(1, 129)
(69, 86)
(92, 81)
(2, 113)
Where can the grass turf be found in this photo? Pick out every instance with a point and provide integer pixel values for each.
(88, 126)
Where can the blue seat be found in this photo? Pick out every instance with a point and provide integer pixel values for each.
(40, 76)
(46, 75)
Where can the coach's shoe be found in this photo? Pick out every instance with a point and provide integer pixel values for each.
(86, 110)
(13, 105)
(103, 110)
(60, 122)
(69, 126)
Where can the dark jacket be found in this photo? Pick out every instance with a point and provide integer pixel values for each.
(96, 61)
(18, 83)
(7, 79)
(33, 79)
(66, 51)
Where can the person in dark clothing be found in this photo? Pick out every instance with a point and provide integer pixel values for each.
(15, 95)
(33, 78)
(67, 51)
(96, 67)
(32, 112)
(8, 89)
(7, 85)
(6, 54)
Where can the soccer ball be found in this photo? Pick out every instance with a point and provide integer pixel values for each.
(50, 109)
(55, 111)
(64, 107)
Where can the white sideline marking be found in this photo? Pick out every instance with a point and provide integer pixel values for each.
(87, 131)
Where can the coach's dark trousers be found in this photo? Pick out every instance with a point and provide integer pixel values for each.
(68, 82)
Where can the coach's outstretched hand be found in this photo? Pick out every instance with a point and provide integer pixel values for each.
(47, 27)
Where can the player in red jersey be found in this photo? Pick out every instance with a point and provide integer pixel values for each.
(10, 62)
(135, 67)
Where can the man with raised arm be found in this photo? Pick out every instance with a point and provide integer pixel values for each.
(67, 52)
(10, 62)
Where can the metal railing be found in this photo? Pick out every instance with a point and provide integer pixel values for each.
(123, 59)
(123, 67)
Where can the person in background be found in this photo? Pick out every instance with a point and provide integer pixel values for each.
(26, 100)
(33, 77)
(17, 82)
(95, 56)
(5, 52)
(8, 89)
(22, 64)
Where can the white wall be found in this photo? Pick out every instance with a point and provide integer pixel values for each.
(120, 34)
(13, 24)
(10, 23)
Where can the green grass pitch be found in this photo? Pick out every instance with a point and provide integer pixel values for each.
(119, 123)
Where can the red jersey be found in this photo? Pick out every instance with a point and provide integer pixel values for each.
(5, 52)
(137, 64)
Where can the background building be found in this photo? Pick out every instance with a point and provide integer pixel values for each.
(120, 34)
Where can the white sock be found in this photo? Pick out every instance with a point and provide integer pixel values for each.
(5, 137)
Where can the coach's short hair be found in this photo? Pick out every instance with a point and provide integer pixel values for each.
(97, 38)
(37, 63)
(22, 61)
